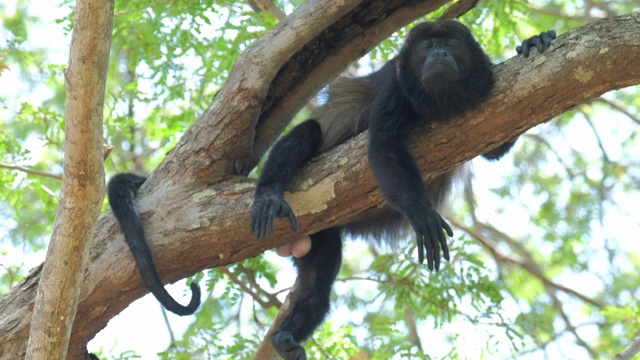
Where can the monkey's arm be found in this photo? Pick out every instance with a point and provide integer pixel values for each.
(286, 159)
(540, 42)
(401, 184)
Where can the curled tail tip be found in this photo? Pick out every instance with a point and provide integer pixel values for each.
(193, 305)
(184, 310)
(196, 294)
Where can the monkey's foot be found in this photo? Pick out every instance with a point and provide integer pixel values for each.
(287, 347)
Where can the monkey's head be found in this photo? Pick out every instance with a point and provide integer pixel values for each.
(441, 57)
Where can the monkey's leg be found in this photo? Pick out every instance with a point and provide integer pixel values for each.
(316, 273)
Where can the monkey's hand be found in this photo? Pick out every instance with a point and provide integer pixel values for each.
(268, 205)
(430, 230)
(541, 42)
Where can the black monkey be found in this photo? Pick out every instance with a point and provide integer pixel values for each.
(122, 189)
(440, 73)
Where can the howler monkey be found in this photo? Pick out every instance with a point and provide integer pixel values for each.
(440, 73)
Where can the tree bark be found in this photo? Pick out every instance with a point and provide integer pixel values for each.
(82, 183)
(194, 224)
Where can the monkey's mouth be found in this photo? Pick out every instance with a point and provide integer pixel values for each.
(439, 74)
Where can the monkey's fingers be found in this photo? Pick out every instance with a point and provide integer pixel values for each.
(438, 241)
(443, 240)
(257, 222)
(541, 42)
(286, 211)
(264, 214)
(274, 209)
(537, 42)
(420, 240)
(547, 37)
(255, 229)
(253, 226)
(426, 240)
(293, 222)
(264, 221)
(434, 259)
(523, 49)
(446, 227)
(436, 237)
(445, 249)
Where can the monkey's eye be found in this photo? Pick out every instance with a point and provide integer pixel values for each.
(453, 43)
(428, 44)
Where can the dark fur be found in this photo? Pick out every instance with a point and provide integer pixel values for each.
(122, 190)
(390, 103)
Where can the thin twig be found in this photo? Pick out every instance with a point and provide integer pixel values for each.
(172, 337)
(252, 281)
(530, 266)
(248, 290)
(31, 171)
(155, 5)
(617, 105)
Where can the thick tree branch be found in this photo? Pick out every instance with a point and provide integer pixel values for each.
(192, 228)
(276, 76)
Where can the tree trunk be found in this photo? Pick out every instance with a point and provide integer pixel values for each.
(82, 183)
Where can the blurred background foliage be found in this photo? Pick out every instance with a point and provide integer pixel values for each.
(546, 253)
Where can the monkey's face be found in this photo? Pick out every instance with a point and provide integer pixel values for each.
(442, 63)
(439, 62)
(437, 56)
